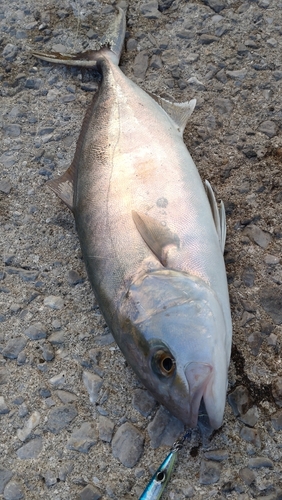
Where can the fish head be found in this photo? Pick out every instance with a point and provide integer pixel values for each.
(175, 338)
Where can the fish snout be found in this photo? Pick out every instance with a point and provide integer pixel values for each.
(198, 376)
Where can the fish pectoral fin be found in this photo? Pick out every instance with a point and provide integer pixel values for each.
(179, 112)
(63, 186)
(159, 238)
(218, 215)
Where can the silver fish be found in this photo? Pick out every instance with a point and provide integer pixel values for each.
(152, 237)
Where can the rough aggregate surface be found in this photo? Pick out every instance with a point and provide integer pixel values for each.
(75, 421)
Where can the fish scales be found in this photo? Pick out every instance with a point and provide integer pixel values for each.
(151, 239)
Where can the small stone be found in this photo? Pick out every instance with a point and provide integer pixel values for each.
(165, 4)
(251, 417)
(50, 478)
(150, 10)
(239, 74)
(140, 65)
(247, 475)
(272, 340)
(272, 42)
(93, 384)
(260, 237)
(13, 491)
(4, 375)
(57, 338)
(131, 44)
(106, 428)
(65, 396)
(271, 260)
(248, 276)
(54, 302)
(35, 332)
(164, 428)
(30, 449)
(33, 421)
(251, 436)
(155, 63)
(271, 301)
(102, 340)
(23, 411)
(74, 278)
(47, 352)
(276, 420)
(83, 438)
(268, 128)
(90, 493)
(223, 106)
(60, 417)
(12, 130)
(277, 391)
(3, 406)
(239, 400)
(28, 275)
(143, 402)
(10, 52)
(58, 379)
(128, 444)
(255, 340)
(264, 4)
(196, 84)
(258, 462)
(246, 318)
(65, 470)
(217, 455)
(209, 472)
(207, 39)
(216, 5)
(5, 476)
(5, 186)
(14, 347)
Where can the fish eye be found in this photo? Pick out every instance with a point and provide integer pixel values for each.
(160, 477)
(164, 363)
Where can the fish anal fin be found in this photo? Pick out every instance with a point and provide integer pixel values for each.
(159, 238)
(179, 112)
(218, 215)
(63, 186)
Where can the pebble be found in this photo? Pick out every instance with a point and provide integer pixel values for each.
(4, 375)
(65, 396)
(48, 352)
(93, 384)
(260, 237)
(35, 332)
(3, 406)
(5, 186)
(60, 417)
(65, 470)
(258, 462)
(50, 478)
(276, 420)
(13, 491)
(251, 436)
(33, 421)
(83, 438)
(223, 106)
(131, 44)
(217, 455)
(10, 52)
(247, 475)
(268, 128)
(164, 429)
(271, 301)
(248, 276)
(250, 418)
(30, 449)
(106, 428)
(165, 4)
(23, 411)
(140, 65)
(143, 402)
(57, 338)
(255, 340)
(238, 74)
(150, 10)
(277, 391)
(54, 302)
(271, 260)
(216, 5)
(14, 347)
(5, 476)
(207, 39)
(58, 379)
(74, 278)
(239, 400)
(209, 472)
(128, 444)
(89, 493)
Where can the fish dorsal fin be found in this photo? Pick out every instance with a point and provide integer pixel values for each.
(179, 112)
(158, 237)
(218, 215)
(63, 186)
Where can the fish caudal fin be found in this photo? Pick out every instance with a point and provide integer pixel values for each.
(63, 187)
(218, 215)
(111, 47)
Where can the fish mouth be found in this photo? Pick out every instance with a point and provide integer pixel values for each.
(199, 377)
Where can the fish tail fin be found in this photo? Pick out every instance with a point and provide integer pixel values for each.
(111, 47)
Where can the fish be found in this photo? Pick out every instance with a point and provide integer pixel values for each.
(157, 484)
(152, 236)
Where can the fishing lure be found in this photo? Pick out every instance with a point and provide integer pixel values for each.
(156, 486)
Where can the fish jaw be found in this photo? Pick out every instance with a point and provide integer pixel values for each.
(176, 342)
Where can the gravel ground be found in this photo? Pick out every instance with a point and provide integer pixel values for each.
(75, 421)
